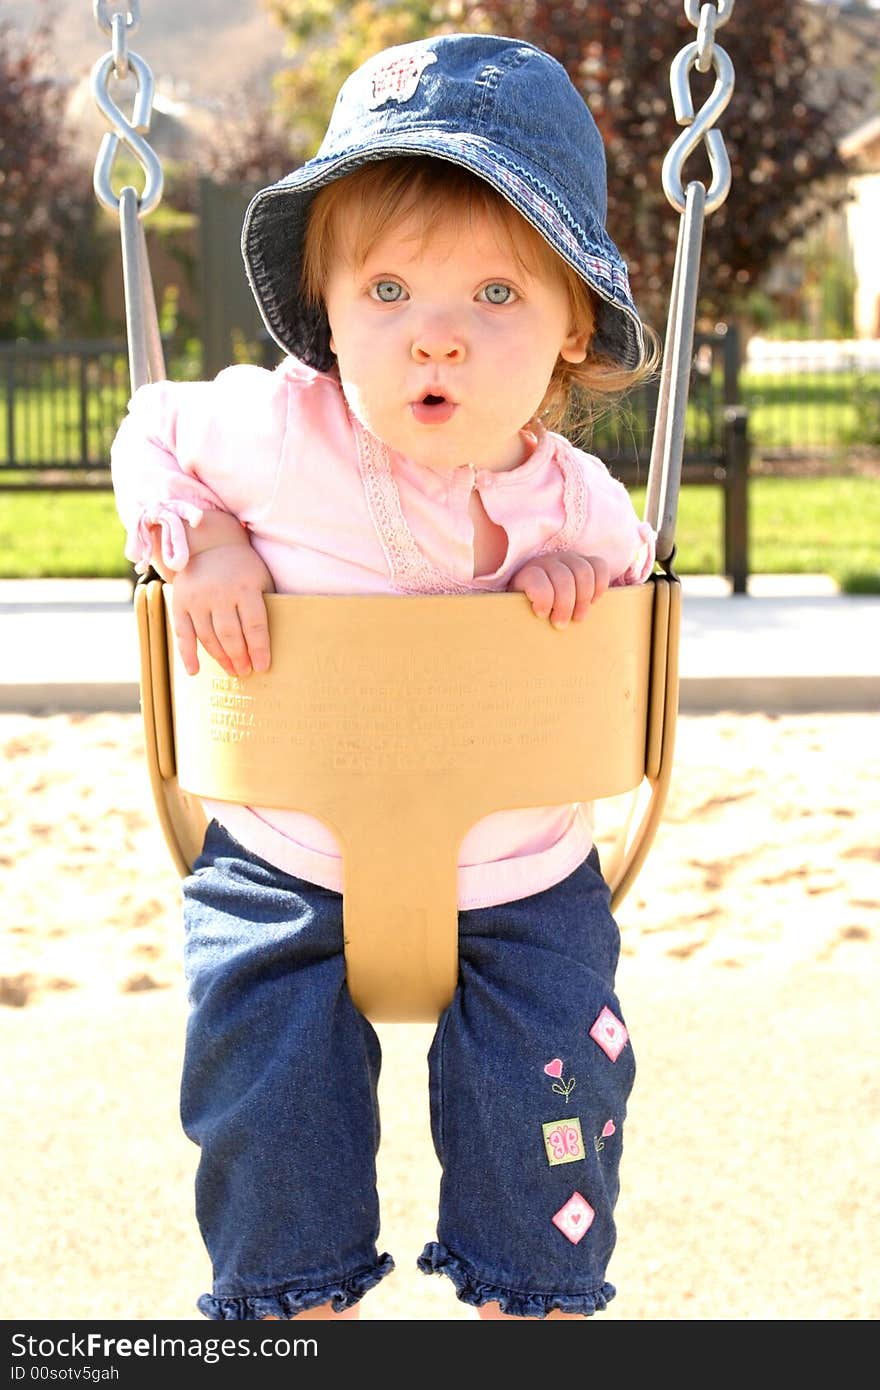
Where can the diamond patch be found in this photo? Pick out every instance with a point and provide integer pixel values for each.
(610, 1033)
(575, 1218)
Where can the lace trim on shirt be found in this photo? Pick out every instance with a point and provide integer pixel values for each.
(574, 499)
(410, 570)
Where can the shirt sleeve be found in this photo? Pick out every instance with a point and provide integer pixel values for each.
(185, 448)
(612, 528)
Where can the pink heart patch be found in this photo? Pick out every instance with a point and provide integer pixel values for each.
(610, 1128)
(554, 1068)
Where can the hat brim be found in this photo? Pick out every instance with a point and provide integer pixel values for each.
(273, 235)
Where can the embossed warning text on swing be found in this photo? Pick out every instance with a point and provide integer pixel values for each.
(404, 719)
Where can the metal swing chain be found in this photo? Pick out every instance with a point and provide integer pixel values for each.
(694, 203)
(145, 357)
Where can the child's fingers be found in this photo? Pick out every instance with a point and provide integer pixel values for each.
(255, 629)
(566, 582)
(186, 642)
(207, 637)
(601, 577)
(196, 624)
(551, 589)
(221, 634)
(562, 587)
(584, 576)
(535, 583)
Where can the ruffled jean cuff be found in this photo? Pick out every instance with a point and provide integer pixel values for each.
(436, 1259)
(286, 1303)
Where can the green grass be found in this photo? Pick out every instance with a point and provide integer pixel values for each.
(798, 526)
(60, 535)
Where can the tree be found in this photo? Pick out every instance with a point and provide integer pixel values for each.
(786, 170)
(326, 39)
(46, 202)
(251, 145)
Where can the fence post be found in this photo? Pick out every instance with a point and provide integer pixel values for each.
(227, 307)
(83, 411)
(731, 359)
(10, 411)
(736, 498)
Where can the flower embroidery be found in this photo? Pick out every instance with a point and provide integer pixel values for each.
(599, 1142)
(561, 1087)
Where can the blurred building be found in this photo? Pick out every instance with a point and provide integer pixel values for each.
(861, 151)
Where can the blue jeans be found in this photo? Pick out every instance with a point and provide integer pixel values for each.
(530, 1071)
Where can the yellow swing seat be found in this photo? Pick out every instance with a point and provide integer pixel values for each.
(399, 722)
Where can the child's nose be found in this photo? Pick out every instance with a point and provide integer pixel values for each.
(437, 343)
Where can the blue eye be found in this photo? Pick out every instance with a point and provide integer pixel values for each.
(498, 293)
(388, 291)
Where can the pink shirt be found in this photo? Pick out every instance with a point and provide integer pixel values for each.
(331, 510)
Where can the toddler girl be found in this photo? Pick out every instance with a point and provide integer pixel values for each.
(441, 282)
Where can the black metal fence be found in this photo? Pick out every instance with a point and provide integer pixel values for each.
(812, 400)
(623, 435)
(61, 406)
(61, 403)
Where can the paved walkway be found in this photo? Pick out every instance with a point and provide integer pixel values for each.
(793, 643)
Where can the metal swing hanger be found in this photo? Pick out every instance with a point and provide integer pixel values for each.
(146, 360)
(694, 203)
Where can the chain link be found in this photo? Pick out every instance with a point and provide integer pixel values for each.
(706, 37)
(703, 54)
(723, 11)
(119, 63)
(131, 14)
(118, 24)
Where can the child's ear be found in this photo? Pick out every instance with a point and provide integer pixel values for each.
(574, 348)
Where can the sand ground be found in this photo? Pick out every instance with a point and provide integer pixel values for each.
(749, 970)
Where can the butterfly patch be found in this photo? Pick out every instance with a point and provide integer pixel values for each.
(563, 1141)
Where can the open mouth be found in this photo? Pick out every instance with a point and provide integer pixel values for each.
(433, 409)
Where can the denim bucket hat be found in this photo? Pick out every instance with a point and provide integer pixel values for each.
(499, 107)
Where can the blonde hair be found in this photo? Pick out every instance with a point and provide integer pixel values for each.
(348, 216)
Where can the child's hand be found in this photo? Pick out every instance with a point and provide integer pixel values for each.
(562, 585)
(217, 600)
